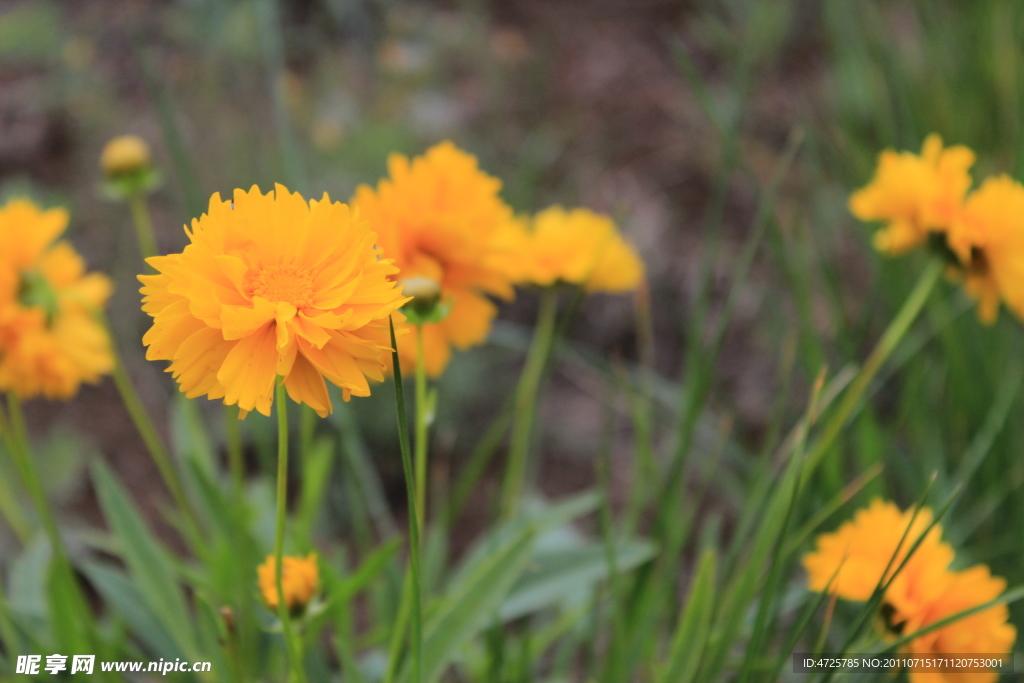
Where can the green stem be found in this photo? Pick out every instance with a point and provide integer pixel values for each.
(233, 435)
(155, 446)
(422, 427)
(12, 425)
(143, 225)
(414, 524)
(526, 400)
(886, 344)
(293, 649)
(10, 508)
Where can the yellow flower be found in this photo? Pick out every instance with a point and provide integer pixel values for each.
(50, 340)
(988, 236)
(583, 248)
(440, 218)
(863, 548)
(124, 155)
(914, 195)
(272, 286)
(983, 633)
(300, 579)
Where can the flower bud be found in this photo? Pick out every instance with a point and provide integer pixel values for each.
(425, 292)
(125, 155)
(300, 580)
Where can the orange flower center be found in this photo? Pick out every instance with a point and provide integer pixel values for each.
(282, 283)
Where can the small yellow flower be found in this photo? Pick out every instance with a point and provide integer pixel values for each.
(580, 247)
(300, 580)
(273, 286)
(983, 633)
(50, 340)
(988, 237)
(125, 155)
(440, 218)
(914, 195)
(861, 550)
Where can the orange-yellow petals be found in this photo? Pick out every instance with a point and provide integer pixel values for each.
(923, 593)
(861, 550)
(438, 216)
(914, 195)
(988, 237)
(580, 247)
(984, 633)
(50, 339)
(300, 580)
(273, 286)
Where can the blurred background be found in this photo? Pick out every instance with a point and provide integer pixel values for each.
(679, 118)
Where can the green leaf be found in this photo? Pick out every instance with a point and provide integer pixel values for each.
(124, 598)
(691, 635)
(557, 575)
(148, 563)
(469, 605)
(316, 474)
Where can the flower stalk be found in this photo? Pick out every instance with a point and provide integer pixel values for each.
(292, 646)
(424, 416)
(883, 349)
(526, 402)
(414, 578)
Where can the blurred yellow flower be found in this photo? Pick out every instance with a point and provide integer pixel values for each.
(50, 339)
(273, 286)
(124, 155)
(983, 633)
(988, 237)
(300, 579)
(914, 195)
(861, 550)
(924, 592)
(583, 248)
(440, 218)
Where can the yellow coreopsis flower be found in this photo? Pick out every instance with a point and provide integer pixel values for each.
(273, 286)
(580, 247)
(300, 579)
(983, 633)
(914, 194)
(440, 218)
(988, 237)
(860, 551)
(50, 339)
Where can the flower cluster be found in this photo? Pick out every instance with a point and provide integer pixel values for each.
(927, 198)
(443, 221)
(50, 339)
(872, 551)
(272, 286)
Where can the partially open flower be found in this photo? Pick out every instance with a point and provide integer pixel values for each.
(125, 155)
(988, 237)
(300, 580)
(50, 339)
(440, 218)
(985, 633)
(914, 195)
(870, 547)
(580, 247)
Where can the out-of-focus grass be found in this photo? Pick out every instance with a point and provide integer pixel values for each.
(235, 97)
